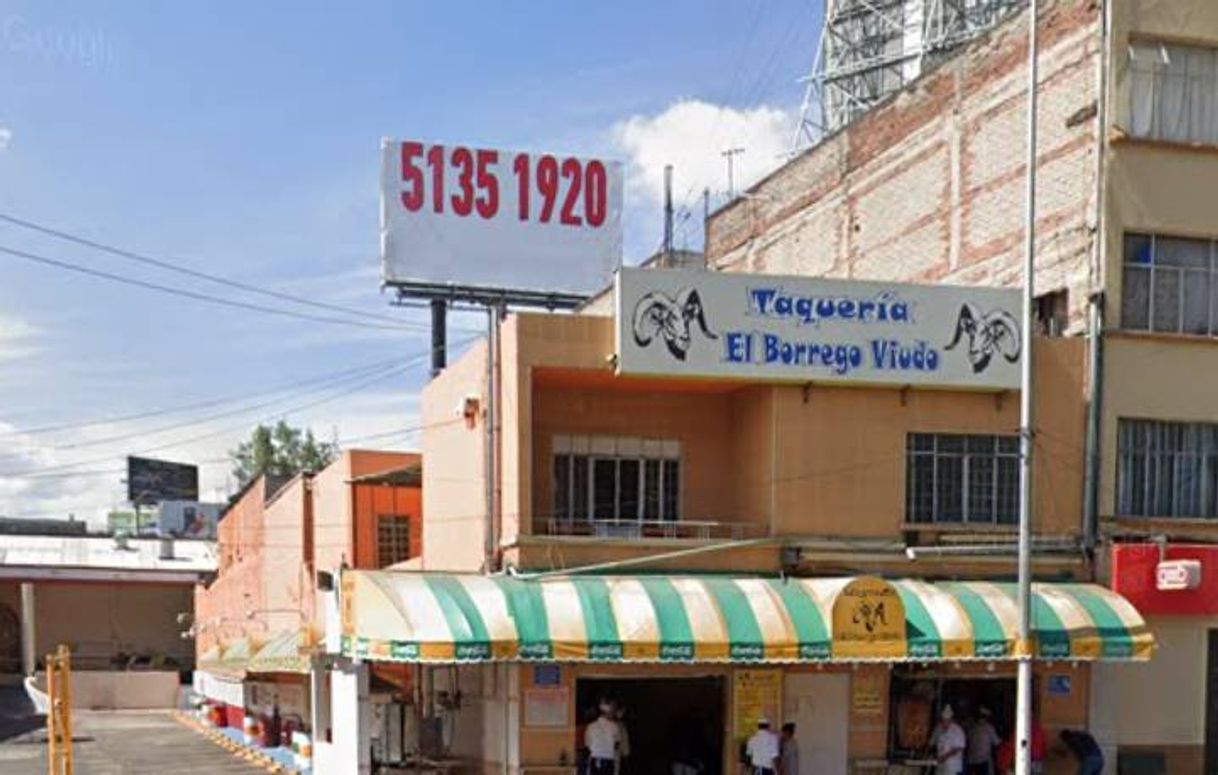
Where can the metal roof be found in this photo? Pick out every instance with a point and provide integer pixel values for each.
(101, 558)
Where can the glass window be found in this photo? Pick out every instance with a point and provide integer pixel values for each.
(671, 485)
(954, 478)
(562, 485)
(1167, 469)
(628, 488)
(581, 492)
(392, 539)
(1173, 94)
(651, 490)
(604, 488)
(1169, 285)
(616, 487)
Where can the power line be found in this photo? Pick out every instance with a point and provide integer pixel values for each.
(189, 294)
(173, 267)
(190, 406)
(382, 368)
(230, 429)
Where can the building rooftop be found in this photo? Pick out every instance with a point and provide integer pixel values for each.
(91, 558)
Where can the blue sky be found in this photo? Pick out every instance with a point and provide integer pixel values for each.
(241, 139)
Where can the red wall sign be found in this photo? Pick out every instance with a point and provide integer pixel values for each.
(1135, 572)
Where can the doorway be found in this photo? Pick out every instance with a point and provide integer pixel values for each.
(665, 718)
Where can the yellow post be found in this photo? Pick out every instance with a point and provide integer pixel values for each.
(59, 712)
(52, 725)
(65, 714)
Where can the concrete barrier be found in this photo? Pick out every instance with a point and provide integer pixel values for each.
(117, 689)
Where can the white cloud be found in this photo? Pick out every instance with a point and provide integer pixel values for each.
(6, 135)
(16, 338)
(87, 481)
(691, 135)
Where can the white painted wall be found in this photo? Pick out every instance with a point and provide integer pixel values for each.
(350, 751)
(1162, 702)
(819, 704)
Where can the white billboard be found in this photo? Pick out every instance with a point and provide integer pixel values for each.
(696, 323)
(490, 218)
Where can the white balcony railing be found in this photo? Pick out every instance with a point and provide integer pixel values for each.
(704, 530)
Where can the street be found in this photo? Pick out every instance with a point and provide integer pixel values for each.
(126, 742)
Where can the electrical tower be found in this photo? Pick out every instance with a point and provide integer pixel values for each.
(870, 49)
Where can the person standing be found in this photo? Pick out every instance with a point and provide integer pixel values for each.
(763, 749)
(1085, 749)
(790, 750)
(602, 737)
(623, 741)
(949, 742)
(982, 740)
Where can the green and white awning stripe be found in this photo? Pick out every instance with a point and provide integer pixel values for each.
(419, 617)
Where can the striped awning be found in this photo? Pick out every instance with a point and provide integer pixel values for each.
(419, 617)
(286, 652)
(225, 660)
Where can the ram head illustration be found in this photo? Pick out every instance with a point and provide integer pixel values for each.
(659, 315)
(987, 334)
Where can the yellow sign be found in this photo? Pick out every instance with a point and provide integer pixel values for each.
(868, 621)
(867, 694)
(756, 693)
(347, 602)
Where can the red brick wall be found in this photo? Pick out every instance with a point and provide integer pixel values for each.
(929, 187)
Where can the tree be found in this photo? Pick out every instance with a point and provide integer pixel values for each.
(280, 450)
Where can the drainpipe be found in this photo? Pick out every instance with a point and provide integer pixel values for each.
(1091, 444)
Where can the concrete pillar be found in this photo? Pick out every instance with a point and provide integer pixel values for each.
(350, 750)
(29, 653)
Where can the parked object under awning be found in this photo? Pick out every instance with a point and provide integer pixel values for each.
(420, 617)
(286, 652)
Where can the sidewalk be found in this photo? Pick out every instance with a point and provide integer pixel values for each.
(278, 760)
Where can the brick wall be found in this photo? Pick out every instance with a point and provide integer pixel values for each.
(929, 187)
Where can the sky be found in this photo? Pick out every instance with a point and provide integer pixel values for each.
(241, 139)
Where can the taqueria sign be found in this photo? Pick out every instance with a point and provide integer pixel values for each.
(696, 323)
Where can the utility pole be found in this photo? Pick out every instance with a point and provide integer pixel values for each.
(730, 154)
(668, 214)
(1024, 647)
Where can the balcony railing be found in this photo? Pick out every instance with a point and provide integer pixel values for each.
(704, 530)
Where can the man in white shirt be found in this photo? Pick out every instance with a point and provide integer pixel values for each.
(602, 737)
(982, 740)
(949, 742)
(763, 749)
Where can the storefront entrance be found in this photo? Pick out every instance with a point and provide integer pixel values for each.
(917, 697)
(666, 720)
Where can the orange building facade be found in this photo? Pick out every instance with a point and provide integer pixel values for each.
(258, 620)
(755, 479)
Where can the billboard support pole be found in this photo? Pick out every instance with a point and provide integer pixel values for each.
(495, 314)
(439, 336)
(495, 302)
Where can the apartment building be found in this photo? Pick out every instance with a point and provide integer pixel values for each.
(928, 187)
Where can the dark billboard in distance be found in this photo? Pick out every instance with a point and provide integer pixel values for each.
(151, 481)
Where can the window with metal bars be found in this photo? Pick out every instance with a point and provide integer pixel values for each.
(965, 479)
(616, 487)
(1167, 469)
(1169, 285)
(392, 539)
